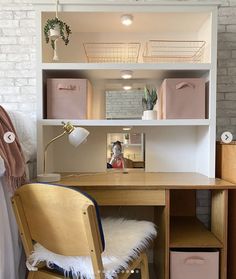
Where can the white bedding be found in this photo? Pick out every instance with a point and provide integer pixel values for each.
(10, 246)
(12, 261)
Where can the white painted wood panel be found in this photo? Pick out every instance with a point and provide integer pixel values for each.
(171, 145)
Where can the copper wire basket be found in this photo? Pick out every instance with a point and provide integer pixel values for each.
(112, 52)
(161, 51)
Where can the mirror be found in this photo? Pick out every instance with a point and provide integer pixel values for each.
(125, 150)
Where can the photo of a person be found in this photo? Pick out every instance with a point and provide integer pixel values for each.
(117, 159)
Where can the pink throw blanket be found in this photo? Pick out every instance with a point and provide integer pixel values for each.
(11, 153)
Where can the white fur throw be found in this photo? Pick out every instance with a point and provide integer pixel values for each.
(124, 239)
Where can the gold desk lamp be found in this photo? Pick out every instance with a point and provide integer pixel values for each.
(76, 136)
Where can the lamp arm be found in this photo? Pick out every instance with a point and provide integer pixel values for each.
(46, 147)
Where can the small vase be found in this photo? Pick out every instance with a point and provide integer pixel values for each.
(55, 54)
(149, 115)
(54, 33)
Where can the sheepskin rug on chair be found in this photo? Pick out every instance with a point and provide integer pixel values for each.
(124, 239)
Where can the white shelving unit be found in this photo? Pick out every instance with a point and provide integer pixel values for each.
(170, 145)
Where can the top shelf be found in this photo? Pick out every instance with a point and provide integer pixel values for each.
(154, 36)
(124, 66)
(134, 3)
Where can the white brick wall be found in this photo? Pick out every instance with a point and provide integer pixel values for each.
(124, 104)
(17, 56)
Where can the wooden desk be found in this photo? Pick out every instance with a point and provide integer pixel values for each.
(173, 195)
(226, 169)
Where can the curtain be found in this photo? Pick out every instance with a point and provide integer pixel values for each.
(12, 262)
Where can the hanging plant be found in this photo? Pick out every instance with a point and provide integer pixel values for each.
(58, 26)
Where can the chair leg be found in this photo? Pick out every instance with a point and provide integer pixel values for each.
(144, 267)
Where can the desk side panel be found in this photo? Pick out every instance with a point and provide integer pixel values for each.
(161, 247)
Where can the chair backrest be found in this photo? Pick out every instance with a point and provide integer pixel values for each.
(61, 219)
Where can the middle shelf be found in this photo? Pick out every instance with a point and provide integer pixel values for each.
(126, 122)
(105, 93)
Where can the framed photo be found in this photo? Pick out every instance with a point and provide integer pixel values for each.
(124, 104)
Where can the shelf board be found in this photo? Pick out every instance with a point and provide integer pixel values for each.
(189, 232)
(126, 122)
(128, 144)
(105, 71)
(123, 2)
(125, 66)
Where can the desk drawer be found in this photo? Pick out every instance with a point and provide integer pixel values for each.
(128, 197)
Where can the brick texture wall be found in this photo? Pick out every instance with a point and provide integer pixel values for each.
(124, 104)
(17, 56)
(226, 81)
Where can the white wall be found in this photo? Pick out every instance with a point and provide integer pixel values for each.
(17, 56)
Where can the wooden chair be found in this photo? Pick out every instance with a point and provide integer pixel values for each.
(65, 222)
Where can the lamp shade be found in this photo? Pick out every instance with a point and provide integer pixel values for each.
(77, 136)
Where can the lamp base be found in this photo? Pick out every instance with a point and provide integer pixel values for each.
(48, 177)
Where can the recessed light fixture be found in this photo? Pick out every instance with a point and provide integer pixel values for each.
(127, 87)
(126, 74)
(126, 128)
(126, 20)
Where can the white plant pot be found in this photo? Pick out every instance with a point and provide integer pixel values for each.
(54, 33)
(149, 115)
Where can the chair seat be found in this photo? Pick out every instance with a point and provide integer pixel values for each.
(124, 240)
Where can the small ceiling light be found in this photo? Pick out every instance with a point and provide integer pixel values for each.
(127, 20)
(127, 87)
(126, 128)
(126, 74)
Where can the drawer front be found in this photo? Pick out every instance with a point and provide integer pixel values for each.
(128, 197)
(194, 265)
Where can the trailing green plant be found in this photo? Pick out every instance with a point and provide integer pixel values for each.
(64, 30)
(149, 99)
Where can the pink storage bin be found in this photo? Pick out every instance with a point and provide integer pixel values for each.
(69, 98)
(182, 98)
(194, 265)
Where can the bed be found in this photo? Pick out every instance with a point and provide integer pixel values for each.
(12, 260)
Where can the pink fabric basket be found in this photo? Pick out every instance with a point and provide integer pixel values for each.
(182, 98)
(68, 98)
(194, 265)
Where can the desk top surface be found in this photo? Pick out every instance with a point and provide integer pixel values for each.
(144, 180)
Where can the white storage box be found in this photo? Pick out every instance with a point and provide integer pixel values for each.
(194, 265)
(69, 98)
